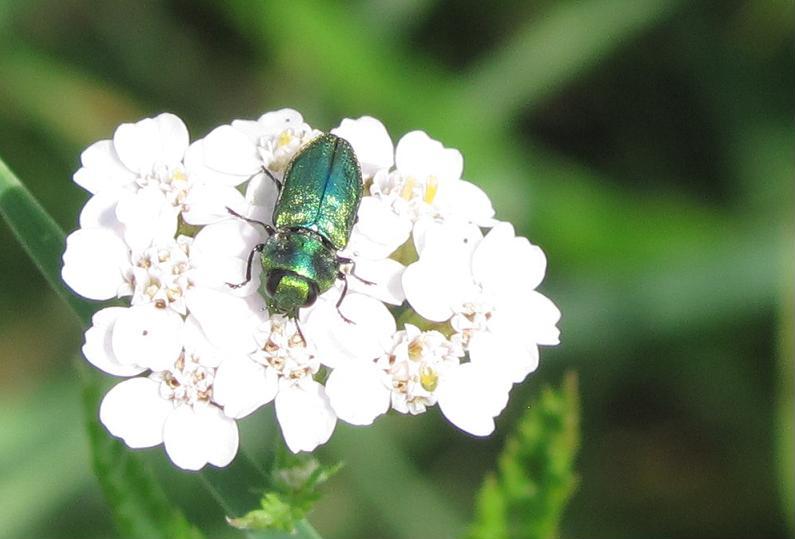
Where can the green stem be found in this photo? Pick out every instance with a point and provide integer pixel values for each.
(140, 506)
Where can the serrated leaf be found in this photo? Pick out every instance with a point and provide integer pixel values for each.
(526, 496)
(295, 479)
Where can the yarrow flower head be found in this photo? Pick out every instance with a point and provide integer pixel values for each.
(421, 299)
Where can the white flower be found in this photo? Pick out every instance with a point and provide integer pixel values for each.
(418, 370)
(281, 368)
(138, 179)
(176, 273)
(415, 364)
(146, 176)
(199, 353)
(424, 184)
(174, 404)
(350, 347)
(486, 288)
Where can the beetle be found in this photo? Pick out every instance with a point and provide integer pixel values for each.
(313, 219)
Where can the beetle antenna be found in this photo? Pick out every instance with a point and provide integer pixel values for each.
(273, 178)
(268, 228)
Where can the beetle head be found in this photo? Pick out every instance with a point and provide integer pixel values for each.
(287, 292)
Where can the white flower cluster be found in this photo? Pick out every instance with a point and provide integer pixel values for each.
(198, 354)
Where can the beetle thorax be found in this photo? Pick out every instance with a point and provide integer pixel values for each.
(297, 267)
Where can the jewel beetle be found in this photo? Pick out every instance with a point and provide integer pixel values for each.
(313, 218)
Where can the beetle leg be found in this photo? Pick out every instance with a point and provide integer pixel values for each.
(273, 178)
(257, 249)
(352, 262)
(342, 297)
(268, 228)
(298, 329)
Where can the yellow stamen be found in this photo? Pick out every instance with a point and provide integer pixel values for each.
(430, 190)
(173, 294)
(285, 137)
(415, 350)
(408, 188)
(428, 378)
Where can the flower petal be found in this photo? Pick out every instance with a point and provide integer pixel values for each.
(227, 321)
(100, 212)
(94, 263)
(219, 256)
(358, 392)
(159, 140)
(277, 120)
(470, 398)
(98, 349)
(379, 230)
(504, 354)
(419, 155)
(230, 151)
(451, 242)
(210, 203)
(505, 264)
(262, 193)
(429, 290)
(370, 142)
(466, 200)
(145, 336)
(385, 274)
(134, 411)
(230, 238)
(305, 415)
(195, 343)
(102, 170)
(544, 316)
(366, 336)
(195, 436)
(147, 216)
(241, 386)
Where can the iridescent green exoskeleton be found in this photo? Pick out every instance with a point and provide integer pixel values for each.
(313, 217)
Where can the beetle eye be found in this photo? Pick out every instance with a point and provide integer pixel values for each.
(311, 295)
(273, 282)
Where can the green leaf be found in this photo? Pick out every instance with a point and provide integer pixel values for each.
(526, 496)
(295, 480)
(140, 507)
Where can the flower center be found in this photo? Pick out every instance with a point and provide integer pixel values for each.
(471, 318)
(281, 347)
(276, 151)
(188, 382)
(160, 274)
(172, 181)
(415, 365)
(408, 195)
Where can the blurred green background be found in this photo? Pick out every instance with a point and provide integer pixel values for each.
(646, 145)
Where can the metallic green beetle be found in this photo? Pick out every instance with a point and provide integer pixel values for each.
(313, 217)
